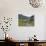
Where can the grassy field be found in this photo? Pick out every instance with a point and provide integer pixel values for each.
(23, 22)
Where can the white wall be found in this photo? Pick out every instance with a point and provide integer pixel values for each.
(45, 29)
(11, 8)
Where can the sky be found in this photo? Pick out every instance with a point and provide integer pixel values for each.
(29, 15)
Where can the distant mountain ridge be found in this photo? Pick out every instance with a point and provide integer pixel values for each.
(22, 16)
(25, 17)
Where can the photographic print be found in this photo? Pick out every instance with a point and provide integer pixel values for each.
(25, 20)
